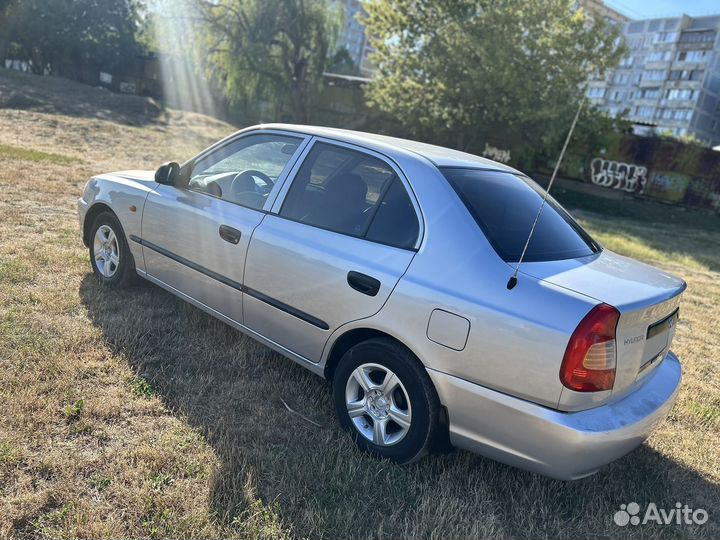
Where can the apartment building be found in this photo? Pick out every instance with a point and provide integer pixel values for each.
(353, 36)
(598, 7)
(670, 80)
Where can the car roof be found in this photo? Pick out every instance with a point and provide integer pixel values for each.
(438, 155)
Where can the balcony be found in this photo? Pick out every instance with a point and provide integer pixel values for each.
(649, 83)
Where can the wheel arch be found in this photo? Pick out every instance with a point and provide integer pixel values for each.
(354, 336)
(94, 211)
(349, 339)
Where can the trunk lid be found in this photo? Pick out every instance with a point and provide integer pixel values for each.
(647, 298)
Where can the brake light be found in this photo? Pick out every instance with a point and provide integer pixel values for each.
(590, 358)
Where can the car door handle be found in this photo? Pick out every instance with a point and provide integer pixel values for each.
(229, 234)
(363, 283)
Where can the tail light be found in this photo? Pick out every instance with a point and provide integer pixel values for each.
(590, 358)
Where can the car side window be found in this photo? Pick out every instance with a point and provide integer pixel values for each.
(244, 171)
(395, 222)
(352, 193)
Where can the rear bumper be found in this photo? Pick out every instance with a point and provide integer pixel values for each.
(562, 445)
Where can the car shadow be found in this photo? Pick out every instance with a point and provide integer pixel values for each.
(309, 474)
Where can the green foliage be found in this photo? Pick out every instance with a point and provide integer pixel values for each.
(689, 138)
(595, 135)
(270, 51)
(141, 387)
(341, 62)
(460, 72)
(160, 481)
(60, 36)
(27, 154)
(158, 521)
(9, 455)
(100, 482)
(72, 412)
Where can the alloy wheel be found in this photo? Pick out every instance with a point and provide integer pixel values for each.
(378, 404)
(106, 251)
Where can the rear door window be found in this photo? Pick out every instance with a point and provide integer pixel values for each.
(395, 223)
(505, 204)
(340, 190)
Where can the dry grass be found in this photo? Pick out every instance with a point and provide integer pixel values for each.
(133, 414)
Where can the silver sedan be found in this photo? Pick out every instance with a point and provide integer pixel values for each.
(382, 264)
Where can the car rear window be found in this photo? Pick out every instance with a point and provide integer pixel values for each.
(504, 205)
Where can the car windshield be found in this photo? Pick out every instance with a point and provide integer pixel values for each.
(504, 205)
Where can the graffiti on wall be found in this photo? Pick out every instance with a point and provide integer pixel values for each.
(668, 186)
(617, 175)
(492, 152)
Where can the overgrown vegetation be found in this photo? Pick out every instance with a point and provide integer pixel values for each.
(466, 72)
(62, 37)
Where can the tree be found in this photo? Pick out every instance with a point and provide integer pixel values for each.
(270, 51)
(341, 62)
(60, 35)
(463, 71)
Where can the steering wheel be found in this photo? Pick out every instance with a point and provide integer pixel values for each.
(245, 179)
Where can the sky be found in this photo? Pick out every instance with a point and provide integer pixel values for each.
(648, 9)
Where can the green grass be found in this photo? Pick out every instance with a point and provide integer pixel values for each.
(100, 482)
(73, 412)
(141, 387)
(707, 413)
(698, 249)
(26, 154)
(9, 455)
(14, 272)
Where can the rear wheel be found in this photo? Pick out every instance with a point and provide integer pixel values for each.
(110, 255)
(385, 398)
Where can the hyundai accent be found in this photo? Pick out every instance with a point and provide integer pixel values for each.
(382, 265)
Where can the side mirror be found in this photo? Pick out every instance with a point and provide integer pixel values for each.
(167, 173)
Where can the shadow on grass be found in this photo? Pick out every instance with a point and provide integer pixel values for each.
(315, 484)
(56, 95)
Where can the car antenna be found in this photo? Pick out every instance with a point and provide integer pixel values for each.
(513, 280)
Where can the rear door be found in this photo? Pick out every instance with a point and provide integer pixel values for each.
(339, 237)
(195, 236)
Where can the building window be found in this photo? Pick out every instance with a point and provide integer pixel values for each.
(621, 78)
(706, 36)
(654, 75)
(595, 92)
(675, 114)
(666, 37)
(680, 93)
(644, 112)
(692, 56)
(686, 75)
(650, 93)
(659, 56)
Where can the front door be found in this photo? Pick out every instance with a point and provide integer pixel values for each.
(331, 251)
(195, 236)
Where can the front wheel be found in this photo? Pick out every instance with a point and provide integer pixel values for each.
(384, 397)
(110, 255)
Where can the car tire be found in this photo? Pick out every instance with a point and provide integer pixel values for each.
(375, 407)
(110, 256)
